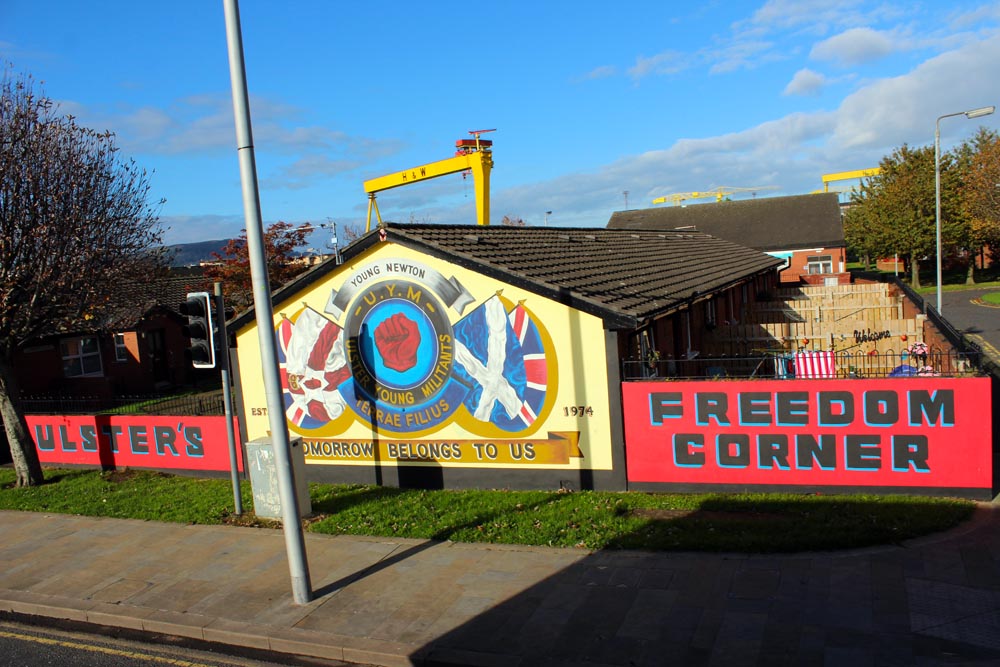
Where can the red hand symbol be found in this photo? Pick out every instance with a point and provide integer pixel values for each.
(397, 339)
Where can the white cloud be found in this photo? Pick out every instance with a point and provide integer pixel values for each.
(668, 62)
(190, 228)
(741, 54)
(307, 171)
(902, 109)
(856, 46)
(792, 152)
(602, 72)
(805, 82)
(775, 31)
(205, 124)
(974, 17)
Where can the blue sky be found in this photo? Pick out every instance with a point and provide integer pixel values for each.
(589, 100)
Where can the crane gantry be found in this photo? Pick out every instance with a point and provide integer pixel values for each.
(719, 193)
(849, 176)
(474, 155)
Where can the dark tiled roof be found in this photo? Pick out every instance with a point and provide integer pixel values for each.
(165, 293)
(768, 223)
(622, 276)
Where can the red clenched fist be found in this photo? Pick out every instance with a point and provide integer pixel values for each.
(397, 339)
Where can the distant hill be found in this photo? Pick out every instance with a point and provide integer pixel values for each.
(188, 254)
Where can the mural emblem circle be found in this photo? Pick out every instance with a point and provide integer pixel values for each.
(399, 348)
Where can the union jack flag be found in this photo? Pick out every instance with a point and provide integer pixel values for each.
(536, 368)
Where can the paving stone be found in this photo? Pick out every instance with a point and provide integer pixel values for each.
(391, 602)
(648, 615)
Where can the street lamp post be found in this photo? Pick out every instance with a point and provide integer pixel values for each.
(971, 113)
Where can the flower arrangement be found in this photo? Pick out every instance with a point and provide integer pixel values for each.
(919, 351)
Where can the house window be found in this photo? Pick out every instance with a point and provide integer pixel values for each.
(81, 357)
(819, 263)
(121, 351)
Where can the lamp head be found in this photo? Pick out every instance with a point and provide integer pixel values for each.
(980, 112)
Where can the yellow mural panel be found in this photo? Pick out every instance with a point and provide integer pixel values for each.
(399, 357)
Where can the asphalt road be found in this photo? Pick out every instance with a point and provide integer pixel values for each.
(966, 316)
(35, 646)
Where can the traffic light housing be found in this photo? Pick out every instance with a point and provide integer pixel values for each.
(198, 307)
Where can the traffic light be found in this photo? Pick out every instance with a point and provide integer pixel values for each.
(198, 308)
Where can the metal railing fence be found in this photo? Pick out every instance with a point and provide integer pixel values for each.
(194, 404)
(781, 365)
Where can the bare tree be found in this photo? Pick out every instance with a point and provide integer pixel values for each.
(76, 234)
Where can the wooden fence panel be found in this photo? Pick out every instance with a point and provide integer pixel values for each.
(876, 334)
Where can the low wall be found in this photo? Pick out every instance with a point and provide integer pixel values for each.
(154, 442)
(908, 435)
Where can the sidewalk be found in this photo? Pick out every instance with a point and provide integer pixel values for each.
(409, 602)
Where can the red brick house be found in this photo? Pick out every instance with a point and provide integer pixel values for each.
(804, 230)
(140, 351)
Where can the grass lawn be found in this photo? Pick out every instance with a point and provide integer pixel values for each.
(951, 280)
(992, 298)
(753, 523)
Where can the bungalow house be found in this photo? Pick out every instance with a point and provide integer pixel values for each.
(138, 350)
(486, 356)
(805, 231)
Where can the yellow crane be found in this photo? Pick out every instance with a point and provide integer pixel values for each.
(679, 197)
(719, 193)
(848, 175)
(474, 155)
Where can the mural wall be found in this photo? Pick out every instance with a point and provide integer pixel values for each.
(909, 432)
(401, 358)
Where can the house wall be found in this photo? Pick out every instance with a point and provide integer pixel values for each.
(798, 271)
(39, 366)
(398, 368)
(681, 335)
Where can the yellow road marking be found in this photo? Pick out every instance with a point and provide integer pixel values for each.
(101, 649)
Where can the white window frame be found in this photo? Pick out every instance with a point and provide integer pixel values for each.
(121, 349)
(822, 262)
(81, 358)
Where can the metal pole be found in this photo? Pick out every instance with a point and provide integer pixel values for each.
(937, 204)
(971, 113)
(336, 245)
(294, 540)
(227, 397)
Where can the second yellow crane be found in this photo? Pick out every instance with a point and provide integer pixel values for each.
(719, 193)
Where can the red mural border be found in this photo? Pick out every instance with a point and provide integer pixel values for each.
(154, 442)
(912, 432)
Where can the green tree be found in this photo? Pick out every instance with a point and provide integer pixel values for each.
(76, 235)
(281, 241)
(979, 191)
(898, 208)
(864, 231)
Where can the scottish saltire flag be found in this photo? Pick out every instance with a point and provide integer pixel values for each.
(312, 365)
(536, 370)
(489, 360)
